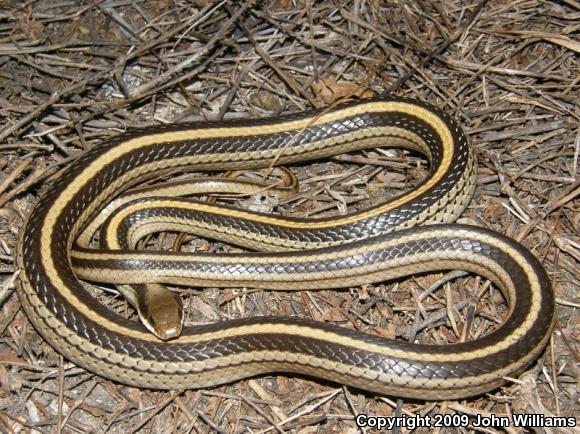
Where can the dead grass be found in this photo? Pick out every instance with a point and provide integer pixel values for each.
(72, 75)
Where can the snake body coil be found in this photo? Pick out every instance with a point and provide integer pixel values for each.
(368, 246)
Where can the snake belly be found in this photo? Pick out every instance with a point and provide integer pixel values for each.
(367, 246)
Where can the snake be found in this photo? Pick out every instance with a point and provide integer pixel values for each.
(159, 309)
(410, 234)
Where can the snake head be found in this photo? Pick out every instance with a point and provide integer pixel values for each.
(160, 310)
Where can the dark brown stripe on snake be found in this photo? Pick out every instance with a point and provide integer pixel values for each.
(101, 341)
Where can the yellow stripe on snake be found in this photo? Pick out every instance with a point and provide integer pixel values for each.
(367, 246)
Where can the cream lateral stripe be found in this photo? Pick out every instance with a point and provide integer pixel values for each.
(63, 200)
(171, 137)
(243, 258)
(188, 187)
(284, 258)
(208, 355)
(234, 359)
(313, 361)
(309, 282)
(123, 148)
(287, 223)
(368, 373)
(307, 332)
(322, 144)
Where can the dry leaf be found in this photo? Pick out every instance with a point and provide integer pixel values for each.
(329, 90)
(7, 355)
(332, 315)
